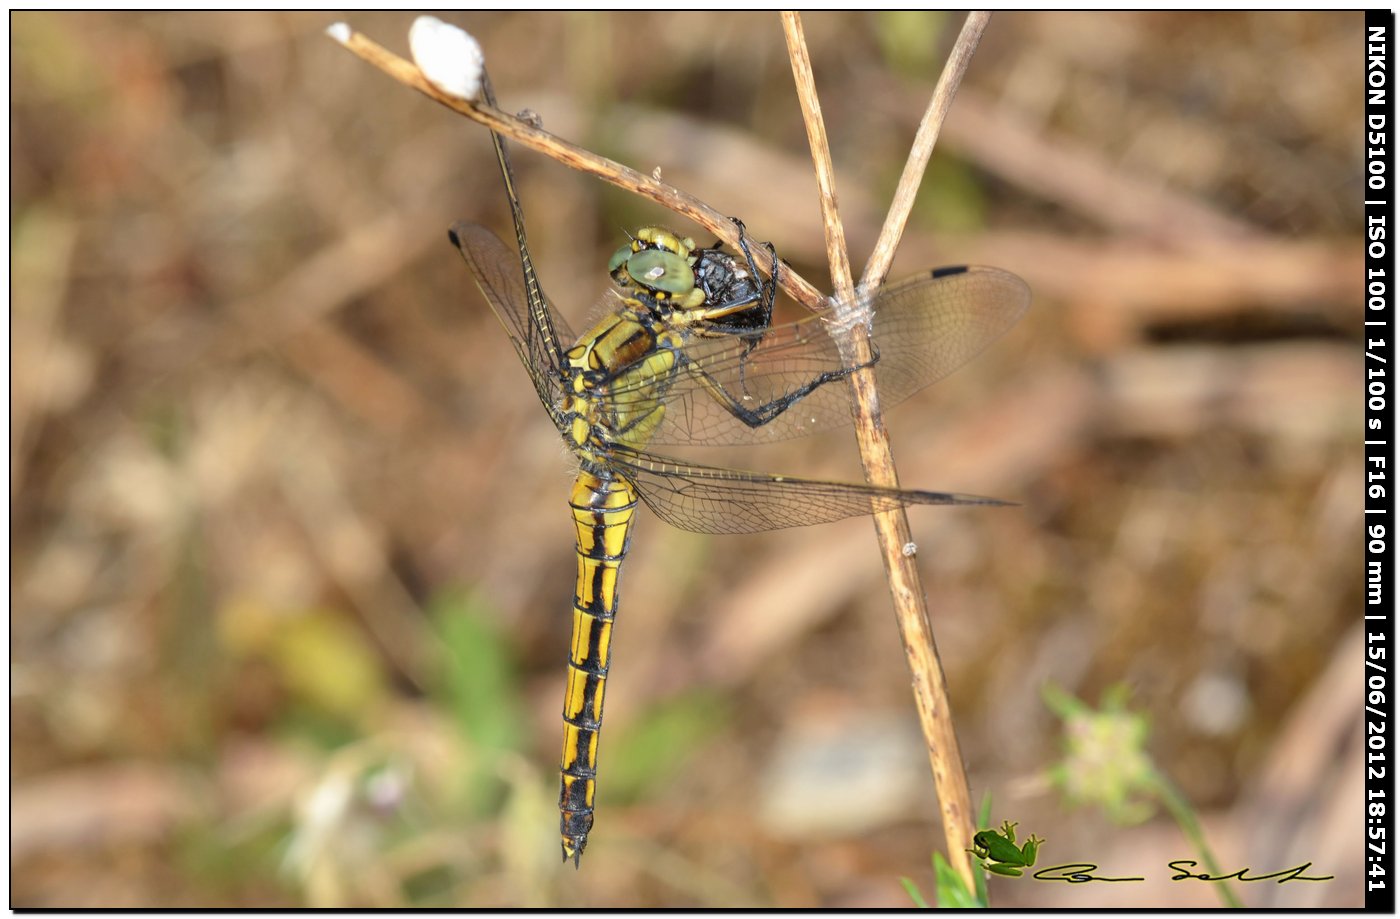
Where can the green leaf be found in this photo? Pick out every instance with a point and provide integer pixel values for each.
(478, 683)
(656, 745)
(477, 679)
(910, 40)
(952, 892)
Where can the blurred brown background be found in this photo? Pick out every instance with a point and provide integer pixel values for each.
(291, 560)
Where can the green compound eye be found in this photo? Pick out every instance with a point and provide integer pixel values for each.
(661, 271)
(619, 257)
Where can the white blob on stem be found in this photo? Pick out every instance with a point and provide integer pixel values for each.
(339, 31)
(450, 58)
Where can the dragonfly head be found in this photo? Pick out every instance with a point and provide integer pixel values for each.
(662, 265)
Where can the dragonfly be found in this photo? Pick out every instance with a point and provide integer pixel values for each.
(686, 354)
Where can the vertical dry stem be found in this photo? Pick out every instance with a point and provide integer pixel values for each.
(892, 527)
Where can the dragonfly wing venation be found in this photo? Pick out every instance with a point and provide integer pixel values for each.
(715, 499)
(924, 328)
(498, 273)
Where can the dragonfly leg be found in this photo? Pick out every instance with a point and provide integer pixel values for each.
(769, 287)
(753, 324)
(759, 415)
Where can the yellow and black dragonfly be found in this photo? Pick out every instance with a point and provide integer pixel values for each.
(685, 354)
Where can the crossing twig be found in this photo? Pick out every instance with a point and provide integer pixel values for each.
(892, 527)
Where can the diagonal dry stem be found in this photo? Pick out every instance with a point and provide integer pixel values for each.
(892, 527)
(882, 256)
(575, 157)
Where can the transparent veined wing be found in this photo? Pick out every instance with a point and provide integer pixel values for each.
(537, 331)
(713, 499)
(924, 328)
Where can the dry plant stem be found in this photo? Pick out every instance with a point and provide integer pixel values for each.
(891, 527)
(575, 157)
(878, 267)
(836, 257)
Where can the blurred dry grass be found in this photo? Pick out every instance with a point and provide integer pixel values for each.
(265, 434)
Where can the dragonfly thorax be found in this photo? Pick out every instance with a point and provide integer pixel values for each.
(617, 374)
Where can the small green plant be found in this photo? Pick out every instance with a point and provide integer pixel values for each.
(951, 889)
(1105, 761)
(1106, 764)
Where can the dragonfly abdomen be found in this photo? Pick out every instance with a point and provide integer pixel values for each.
(602, 507)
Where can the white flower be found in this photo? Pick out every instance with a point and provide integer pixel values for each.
(449, 57)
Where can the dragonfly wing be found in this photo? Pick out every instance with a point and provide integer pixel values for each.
(924, 328)
(933, 323)
(712, 499)
(535, 329)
